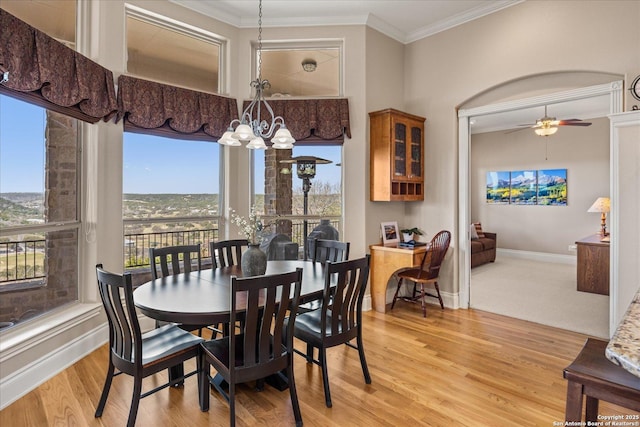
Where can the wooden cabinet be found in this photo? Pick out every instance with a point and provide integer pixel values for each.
(397, 156)
(593, 265)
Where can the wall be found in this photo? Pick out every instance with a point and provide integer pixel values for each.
(445, 70)
(584, 152)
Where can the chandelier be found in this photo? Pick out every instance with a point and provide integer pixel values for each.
(252, 127)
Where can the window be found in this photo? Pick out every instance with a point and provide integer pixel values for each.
(39, 221)
(324, 198)
(39, 175)
(168, 51)
(309, 69)
(171, 194)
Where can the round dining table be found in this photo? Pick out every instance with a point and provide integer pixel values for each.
(202, 297)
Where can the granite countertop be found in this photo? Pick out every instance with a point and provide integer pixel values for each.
(624, 347)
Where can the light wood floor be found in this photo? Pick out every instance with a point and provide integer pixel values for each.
(454, 368)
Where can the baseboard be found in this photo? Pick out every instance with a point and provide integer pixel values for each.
(537, 256)
(16, 385)
(32, 375)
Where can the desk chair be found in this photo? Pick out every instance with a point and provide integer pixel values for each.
(428, 272)
(134, 353)
(340, 318)
(263, 347)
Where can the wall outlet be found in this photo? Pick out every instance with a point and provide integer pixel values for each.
(572, 247)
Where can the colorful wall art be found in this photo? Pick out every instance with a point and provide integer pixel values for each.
(546, 187)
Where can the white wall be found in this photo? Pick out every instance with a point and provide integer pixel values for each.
(583, 151)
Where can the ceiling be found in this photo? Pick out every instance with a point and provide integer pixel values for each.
(584, 109)
(403, 20)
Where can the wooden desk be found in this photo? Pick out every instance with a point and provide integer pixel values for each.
(593, 265)
(385, 260)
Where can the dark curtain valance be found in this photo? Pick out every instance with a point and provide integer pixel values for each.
(164, 110)
(313, 120)
(45, 72)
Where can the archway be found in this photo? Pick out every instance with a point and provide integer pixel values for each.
(612, 89)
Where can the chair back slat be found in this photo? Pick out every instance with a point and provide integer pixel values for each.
(329, 251)
(263, 302)
(162, 258)
(433, 257)
(125, 335)
(345, 285)
(227, 252)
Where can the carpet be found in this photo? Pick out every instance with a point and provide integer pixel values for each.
(540, 292)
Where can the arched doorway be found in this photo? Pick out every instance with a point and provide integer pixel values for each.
(613, 92)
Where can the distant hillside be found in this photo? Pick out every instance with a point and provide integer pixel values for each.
(21, 208)
(169, 205)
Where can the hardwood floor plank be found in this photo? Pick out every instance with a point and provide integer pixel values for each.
(454, 368)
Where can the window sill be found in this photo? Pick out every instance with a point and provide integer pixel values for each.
(22, 337)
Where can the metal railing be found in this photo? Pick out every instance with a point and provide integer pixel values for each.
(25, 260)
(22, 260)
(136, 246)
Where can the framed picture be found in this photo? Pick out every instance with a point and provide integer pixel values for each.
(390, 233)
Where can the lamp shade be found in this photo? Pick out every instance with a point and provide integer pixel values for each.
(257, 143)
(243, 133)
(602, 204)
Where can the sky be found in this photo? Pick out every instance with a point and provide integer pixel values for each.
(150, 164)
(22, 153)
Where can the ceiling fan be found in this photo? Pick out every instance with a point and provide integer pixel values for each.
(547, 126)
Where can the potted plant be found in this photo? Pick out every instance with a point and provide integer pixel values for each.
(408, 233)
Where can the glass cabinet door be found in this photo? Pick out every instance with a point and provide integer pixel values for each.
(400, 150)
(416, 156)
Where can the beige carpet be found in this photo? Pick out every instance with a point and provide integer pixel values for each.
(540, 292)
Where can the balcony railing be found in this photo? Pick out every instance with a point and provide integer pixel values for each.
(137, 245)
(22, 260)
(25, 260)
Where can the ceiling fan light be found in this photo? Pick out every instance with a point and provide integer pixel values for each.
(546, 131)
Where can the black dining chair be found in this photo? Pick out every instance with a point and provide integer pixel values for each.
(226, 253)
(134, 353)
(263, 346)
(324, 251)
(339, 320)
(167, 260)
(171, 260)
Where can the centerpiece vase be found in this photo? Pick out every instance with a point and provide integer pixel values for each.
(254, 261)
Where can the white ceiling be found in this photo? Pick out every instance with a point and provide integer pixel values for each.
(403, 20)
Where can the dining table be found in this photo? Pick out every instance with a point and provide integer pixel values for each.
(203, 297)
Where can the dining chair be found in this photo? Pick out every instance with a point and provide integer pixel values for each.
(323, 251)
(427, 273)
(165, 262)
(339, 320)
(263, 347)
(134, 353)
(226, 253)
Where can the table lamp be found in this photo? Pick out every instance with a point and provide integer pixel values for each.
(602, 205)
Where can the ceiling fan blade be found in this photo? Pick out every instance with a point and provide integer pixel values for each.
(573, 122)
(518, 130)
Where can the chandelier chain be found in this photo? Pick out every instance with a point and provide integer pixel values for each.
(260, 42)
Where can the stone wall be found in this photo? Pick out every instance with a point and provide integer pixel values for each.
(278, 192)
(60, 286)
